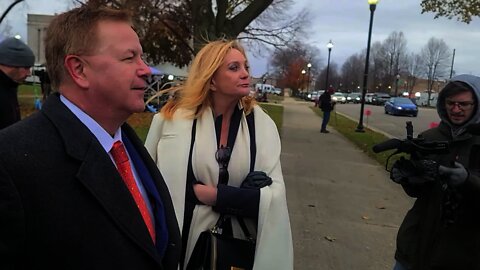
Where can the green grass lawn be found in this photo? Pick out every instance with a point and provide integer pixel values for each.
(364, 141)
(276, 113)
(141, 121)
(274, 98)
(29, 90)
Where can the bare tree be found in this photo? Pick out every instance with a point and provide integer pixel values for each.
(395, 48)
(334, 78)
(435, 56)
(4, 14)
(174, 30)
(378, 66)
(274, 28)
(5, 30)
(352, 72)
(287, 64)
(415, 69)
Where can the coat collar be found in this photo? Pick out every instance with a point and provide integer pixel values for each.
(98, 174)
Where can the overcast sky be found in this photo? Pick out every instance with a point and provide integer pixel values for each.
(343, 21)
(346, 23)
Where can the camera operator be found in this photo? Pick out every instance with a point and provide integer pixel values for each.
(442, 230)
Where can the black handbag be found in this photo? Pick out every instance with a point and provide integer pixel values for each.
(217, 248)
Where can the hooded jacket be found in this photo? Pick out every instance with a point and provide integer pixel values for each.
(442, 230)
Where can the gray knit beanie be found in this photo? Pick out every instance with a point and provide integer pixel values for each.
(15, 53)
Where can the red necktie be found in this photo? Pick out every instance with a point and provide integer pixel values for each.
(120, 157)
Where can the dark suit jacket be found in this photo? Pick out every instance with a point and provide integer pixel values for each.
(63, 204)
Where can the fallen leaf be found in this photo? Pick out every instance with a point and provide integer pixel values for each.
(330, 238)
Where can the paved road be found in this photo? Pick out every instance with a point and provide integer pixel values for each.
(392, 125)
(344, 211)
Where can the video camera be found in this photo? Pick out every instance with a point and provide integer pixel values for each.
(417, 148)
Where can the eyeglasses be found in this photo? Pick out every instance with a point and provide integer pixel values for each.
(462, 105)
(223, 157)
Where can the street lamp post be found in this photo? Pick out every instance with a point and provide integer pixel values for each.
(309, 65)
(329, 46)
(373, 5)
(303, 79)
(396, 84)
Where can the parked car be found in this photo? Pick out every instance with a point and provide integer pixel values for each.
(368, 98)
(380, 98)
(277, 91)
(354, 97)
(401, 106)
(339, 98)
(313, 96)
(264, 88)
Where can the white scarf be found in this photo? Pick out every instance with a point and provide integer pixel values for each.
(168, 142)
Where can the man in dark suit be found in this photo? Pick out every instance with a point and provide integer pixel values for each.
(63, 203)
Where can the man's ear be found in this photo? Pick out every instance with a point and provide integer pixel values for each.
(76, 69)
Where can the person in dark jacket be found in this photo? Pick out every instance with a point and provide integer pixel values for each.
(78, 190)
(326, 105)
(16, 59)
(441, 231)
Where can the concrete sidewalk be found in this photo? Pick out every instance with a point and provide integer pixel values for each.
(344, 210)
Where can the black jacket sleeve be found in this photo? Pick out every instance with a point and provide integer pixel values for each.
(237, 201)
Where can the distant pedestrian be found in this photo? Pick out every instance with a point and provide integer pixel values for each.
(326, 105)
(16, 59)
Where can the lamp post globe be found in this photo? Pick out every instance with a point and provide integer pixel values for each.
(373, 5)
(329, 47)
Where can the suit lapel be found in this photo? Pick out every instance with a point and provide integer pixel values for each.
(104, 182)
(172, 254)
(99, 175)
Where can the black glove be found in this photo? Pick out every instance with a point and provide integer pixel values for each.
(256, 180)
(405, 171)
(454, 176)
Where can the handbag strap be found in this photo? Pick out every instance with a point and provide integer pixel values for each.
(253, 142)
(253, 154)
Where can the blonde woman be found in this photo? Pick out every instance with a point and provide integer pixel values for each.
(203, 136)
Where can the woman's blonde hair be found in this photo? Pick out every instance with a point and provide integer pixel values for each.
(195, 95)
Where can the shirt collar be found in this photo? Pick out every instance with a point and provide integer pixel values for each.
(105, 139)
